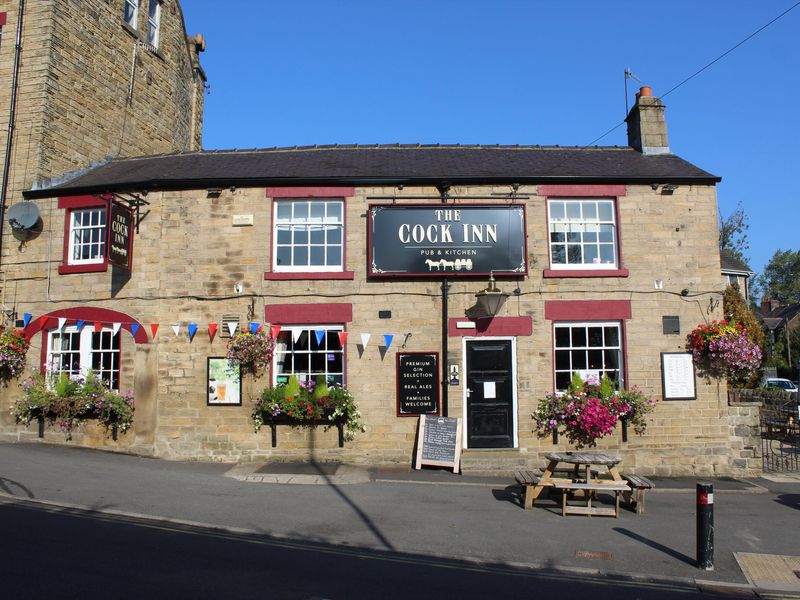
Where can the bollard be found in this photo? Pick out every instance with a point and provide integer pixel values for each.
(705, 526)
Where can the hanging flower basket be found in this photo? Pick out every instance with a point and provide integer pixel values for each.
(67, 401)
(13, 348)
(253, 351)
(589, 411)
(721, 349)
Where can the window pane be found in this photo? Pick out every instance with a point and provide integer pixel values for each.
(589, 211)
(595, 337)
(300, 235)
(284, 256)
(612, 359)
(317, 256)
(284, 211)
(559, 255)
(335, 211)
(611, 335)
(300, 256)
(578, 360)
(300, 211)
(606, 233)
(334, 257)
(284, 234)
(562, 360)
(557, 236)
(334, 234)
(557, 211)
(335, 362)
(590, 254)
(562, 337)
(595, 359)
(563, 380)
(606, 211)
(578, 337)
(574, 254)
(317, 212)
(574, 210)
(317, 235)
(607, 253)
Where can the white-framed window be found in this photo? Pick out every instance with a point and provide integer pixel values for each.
(308, 235)
(153, 22)
(131, 12)
(308, 351)
(87, 236)
(583, 234)
(77, 352)
(593, 348)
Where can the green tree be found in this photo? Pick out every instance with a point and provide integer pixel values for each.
(733, 233)
(781, 277)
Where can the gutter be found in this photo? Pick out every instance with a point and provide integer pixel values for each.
(11, 115)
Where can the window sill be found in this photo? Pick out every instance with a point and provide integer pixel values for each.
(311, 275)
(96, 268)
(559, 273)
(129, 29)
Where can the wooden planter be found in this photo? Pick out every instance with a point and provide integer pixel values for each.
(273, 423)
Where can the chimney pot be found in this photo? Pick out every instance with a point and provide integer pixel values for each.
(645, 90)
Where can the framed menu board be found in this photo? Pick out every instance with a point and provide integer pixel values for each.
(438, 442)
(677, 376)
(417, 383)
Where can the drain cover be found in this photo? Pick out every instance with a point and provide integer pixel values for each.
(593, 554)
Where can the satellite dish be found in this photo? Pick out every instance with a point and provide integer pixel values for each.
(23, 216)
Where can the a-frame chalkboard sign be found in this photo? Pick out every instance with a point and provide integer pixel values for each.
(438, 442)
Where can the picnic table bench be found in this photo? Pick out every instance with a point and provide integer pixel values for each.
(639, 485)
(590, 490)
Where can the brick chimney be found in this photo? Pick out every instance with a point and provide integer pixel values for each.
(769, 304)
(647, 129)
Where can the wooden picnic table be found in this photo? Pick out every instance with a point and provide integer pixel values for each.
(581, 464)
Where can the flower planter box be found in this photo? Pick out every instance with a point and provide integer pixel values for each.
(273, 423)
(41, 418)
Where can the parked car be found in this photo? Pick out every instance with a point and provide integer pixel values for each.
(781, 384)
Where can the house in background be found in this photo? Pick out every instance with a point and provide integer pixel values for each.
(736, 271)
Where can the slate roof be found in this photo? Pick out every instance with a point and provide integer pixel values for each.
(731, 263)
(381, 165)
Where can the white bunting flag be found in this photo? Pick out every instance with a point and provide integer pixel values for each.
(232, 325)
(115, 328)
(364, 339)
(176, 329)
(61, 322)
(296, 333)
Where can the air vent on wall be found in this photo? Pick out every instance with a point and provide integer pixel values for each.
(226, 328)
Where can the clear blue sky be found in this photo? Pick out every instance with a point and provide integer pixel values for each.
(517, 72)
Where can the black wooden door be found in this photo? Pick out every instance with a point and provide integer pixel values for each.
(490, 394)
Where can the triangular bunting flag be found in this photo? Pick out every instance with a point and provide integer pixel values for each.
(365, 339)
(26, 318)
(61, 322)
(296, 335)
(254, 327)
(232, 325)
(43, 322)
(192, 330)
(276, 329)
(154, 329)
(134, 329)
(212, 331)
(387, 339)
(342, 338)
(177, 329)
(320, 333)
(115, 328)
(79, 324)
(98, 325)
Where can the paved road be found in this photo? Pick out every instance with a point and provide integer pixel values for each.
(387, 530)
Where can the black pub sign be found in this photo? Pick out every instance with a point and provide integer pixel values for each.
(417, 383)
(120, 236)
(415, 240)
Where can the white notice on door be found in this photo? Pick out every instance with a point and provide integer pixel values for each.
(489, 390)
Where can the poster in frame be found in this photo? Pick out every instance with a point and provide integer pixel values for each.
(223, 382)
(678, 376)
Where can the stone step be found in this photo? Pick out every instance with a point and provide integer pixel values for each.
(496, 463)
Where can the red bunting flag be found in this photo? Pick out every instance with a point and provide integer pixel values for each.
(98, 325)
(212, 331)
(342, 338)
(276, 329)
(154, 328)
(42, 322)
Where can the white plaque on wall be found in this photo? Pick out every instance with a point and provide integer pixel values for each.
(677, 376)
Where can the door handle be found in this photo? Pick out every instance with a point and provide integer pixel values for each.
(469, 391)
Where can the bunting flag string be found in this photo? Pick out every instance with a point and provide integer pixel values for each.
(61, 322)
(26, 318)
(192, 330)
(342, 338)
(98, 326)
(176, 328)
(232, 326)
(115, 327)
(276, 329)
(134, 329)
(154, 329)
(320, 335)
(212, 331)
(296, 335)
(365, 339)
(387, 338)
(79, 325)
(254, 327)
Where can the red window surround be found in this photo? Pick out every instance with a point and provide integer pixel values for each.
(587, 310)
(69, 204)
(3, 18)
(516, 326)
(304, 314)
(587, 191)
(280, 193)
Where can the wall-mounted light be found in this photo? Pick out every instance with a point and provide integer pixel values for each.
(491, 299)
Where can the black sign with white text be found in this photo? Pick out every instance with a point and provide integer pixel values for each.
(446, 240)
(120, 238)
(417, 383)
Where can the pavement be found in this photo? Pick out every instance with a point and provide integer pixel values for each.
(431, 513)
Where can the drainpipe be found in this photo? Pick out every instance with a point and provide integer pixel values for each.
(11, 113)
(444, 190)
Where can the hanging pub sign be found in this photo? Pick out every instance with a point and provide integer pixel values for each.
(120, 238)
(438, 240)
(417, 383)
